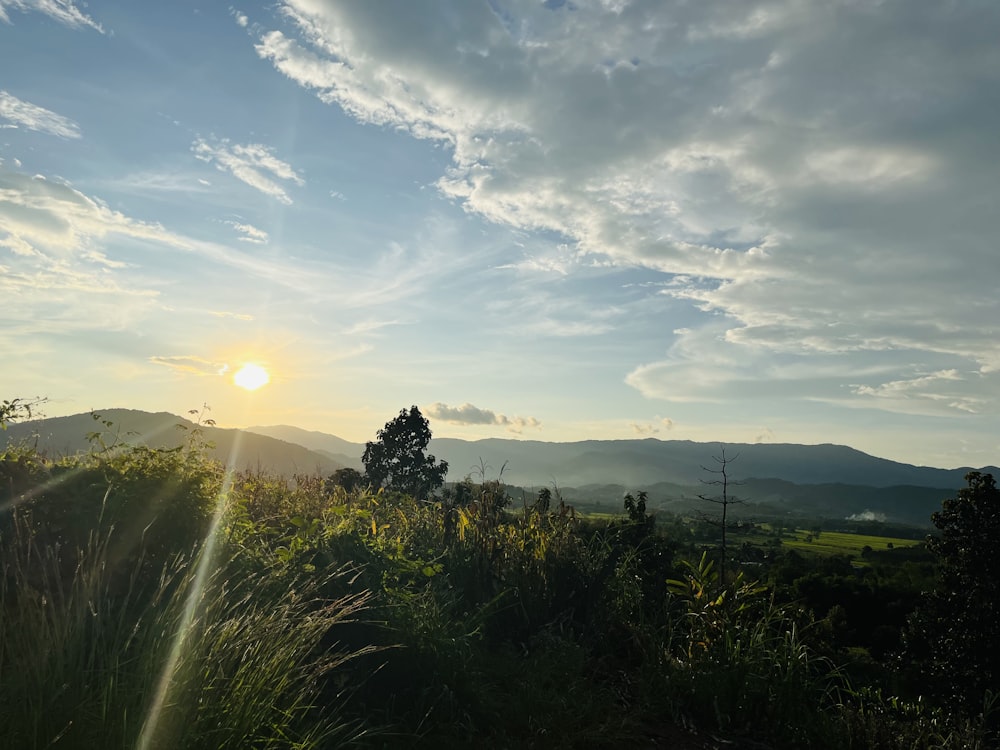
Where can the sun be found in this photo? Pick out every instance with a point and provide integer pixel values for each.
(251, 377)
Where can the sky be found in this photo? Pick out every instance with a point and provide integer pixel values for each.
(719, 221)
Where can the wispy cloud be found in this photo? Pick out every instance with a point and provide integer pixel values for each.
(27, 115)
(649, 428)
(370, 326)
(64, 250)
(63, 11)
(190, 365)
(253, 163)
(249, 233)
(467, 414)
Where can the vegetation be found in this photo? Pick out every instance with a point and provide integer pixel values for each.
(149, 599)
(397, 460)
(955, 634)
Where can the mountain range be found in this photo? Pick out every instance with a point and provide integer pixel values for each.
(818, 480)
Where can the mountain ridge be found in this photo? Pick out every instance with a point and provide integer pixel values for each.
(825, 478)
(66, 436)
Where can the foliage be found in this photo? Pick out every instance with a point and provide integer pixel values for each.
(104, 649)
(955, 634)
(346, 477)
(17, 409)
(323, 614)
(738, 662)
(397, 460)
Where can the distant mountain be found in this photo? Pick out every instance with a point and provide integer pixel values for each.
(831, 481)
(65, 436)
(635, 463)
(314, 441)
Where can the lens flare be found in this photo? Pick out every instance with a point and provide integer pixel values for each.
(251, 377)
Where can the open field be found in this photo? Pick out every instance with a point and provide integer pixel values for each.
(841, 543)
(803, 540)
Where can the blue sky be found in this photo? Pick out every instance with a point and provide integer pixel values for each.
(722, 221)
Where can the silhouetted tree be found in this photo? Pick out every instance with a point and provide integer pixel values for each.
(954, 636)
(348, 478)
(397, 460)
(544, 500)
(636, 508)
(723, 500)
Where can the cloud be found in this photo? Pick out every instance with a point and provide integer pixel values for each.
(249, 233)
(71, 263)
(371, 326)
(253, 163)
(190, 365)
(946, 388)
(467, 414)
(63, 11)
(867, 515)
(27, 115)
(155, 181)
(230, 314)
(51, 215)
(792, 171)
(649, 428)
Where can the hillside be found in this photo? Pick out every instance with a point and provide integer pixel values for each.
(65, 436)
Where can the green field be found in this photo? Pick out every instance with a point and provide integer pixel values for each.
(841, 543)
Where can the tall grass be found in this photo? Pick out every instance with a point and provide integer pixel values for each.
(82, 653)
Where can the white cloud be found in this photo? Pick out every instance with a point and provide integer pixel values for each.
(467, 414)
(53, 216)
(801, 176)
(250, 233)
(370, 326)
(63, 11)
(27, 115)
(253, 163)
(158, 181)
(190, 365)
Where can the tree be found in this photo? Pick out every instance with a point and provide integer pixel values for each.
(397, 459)
(723, 500)
(636, 509)
(954, 636)
(346, 477)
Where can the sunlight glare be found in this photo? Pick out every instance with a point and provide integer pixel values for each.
(251, 377)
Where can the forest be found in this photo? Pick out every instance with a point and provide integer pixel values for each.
(151, 598)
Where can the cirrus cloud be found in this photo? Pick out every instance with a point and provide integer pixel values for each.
(252, 163)
(24, 114)
(63, 11)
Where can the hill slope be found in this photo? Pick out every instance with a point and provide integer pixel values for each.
(65, 436)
